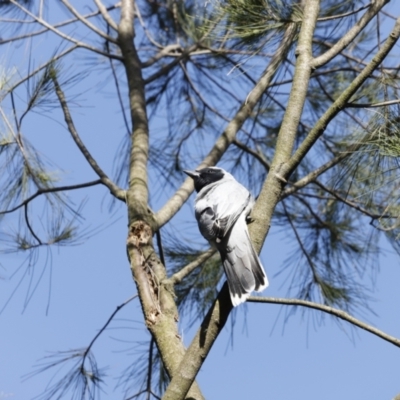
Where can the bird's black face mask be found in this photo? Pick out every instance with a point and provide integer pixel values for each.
(205, 176)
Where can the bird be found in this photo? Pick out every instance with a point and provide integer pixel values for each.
(222, 210)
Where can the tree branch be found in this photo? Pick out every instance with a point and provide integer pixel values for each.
(312, 176)
(330, 310)
(350, 35)
(51, 190)
(189, 268)
(58, 32)
(107, 17)
(114, 189)
(342, 100)
(201, 345)
(86, 22)
(138, 190)
(322, 19)
(57, 25)
(371, 105)
(157, 300)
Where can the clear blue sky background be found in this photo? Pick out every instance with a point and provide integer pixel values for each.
(270, 357)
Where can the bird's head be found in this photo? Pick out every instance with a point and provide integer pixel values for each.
(206, 176)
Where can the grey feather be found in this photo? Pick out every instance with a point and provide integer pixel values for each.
(222, 206)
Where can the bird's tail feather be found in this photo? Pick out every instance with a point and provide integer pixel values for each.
(241, 263)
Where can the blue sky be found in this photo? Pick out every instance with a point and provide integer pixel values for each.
(266, 356)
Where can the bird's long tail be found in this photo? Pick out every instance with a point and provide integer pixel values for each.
(242, 266)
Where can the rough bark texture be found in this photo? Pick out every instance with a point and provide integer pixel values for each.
(157, 300)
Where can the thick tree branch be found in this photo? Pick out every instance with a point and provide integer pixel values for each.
(227, 137)
(201, 345)
(114, 189)
(330, 310)
(157, 300)
(138, 190)
(350, 35)
(272, 188)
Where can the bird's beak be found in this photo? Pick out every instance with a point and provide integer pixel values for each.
(192, 174)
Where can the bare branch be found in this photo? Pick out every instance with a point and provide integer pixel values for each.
(57, 25)
(104, 327)
(58, 32)
(350, 35)
(189, 268)
(256, 154)
(86, 22)
(114, 189)
(52, 190)
(106, 15)
(41, 67)
(138, 190)
(272, 188)
(350, 203)
(312, 176)
(29, 225)
(322, 19)
(371, 105)
(330, 310)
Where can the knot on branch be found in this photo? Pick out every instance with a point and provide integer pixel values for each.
(140, 234)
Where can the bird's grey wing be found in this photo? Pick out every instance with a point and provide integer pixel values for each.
(237, 199)
(211, 226)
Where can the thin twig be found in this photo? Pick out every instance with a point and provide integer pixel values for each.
(52, 190)
(330, 310)
(105, 326)
(256, 154)
(29, 225)
(86, 22)
(39, 32)
(58, 32)
(189, 268)
(323, 19)
(119, 95)
(351, 203)
(301, 244)
(106, 15)
(371, 105)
